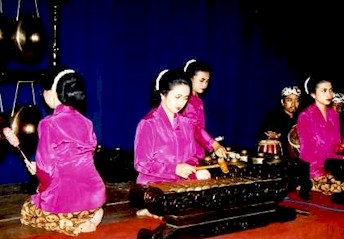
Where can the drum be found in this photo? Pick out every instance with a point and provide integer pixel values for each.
(270, 146)
(293, 138)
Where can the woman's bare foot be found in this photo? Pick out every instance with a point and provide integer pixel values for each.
(91, 224)
(98, 216)
(87, 226)
(146, 213)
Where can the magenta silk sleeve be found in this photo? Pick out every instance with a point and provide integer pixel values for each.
(318, 137)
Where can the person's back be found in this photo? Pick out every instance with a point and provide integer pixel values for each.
(71, 192)
(66, 146)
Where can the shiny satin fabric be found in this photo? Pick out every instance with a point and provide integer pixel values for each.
(319, 138)
(159, 146)
(68, 179)
(194, 110)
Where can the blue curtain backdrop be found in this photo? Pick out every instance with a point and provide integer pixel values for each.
(119, 46)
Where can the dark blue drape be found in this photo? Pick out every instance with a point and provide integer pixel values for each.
(120, 46)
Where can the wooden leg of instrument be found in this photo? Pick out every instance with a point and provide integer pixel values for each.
(162, 232)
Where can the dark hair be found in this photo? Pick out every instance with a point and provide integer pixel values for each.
(167, 82)
(70, 89)
(310, 86)
(196, 66)
(314, 81)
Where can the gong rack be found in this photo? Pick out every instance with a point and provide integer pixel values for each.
(16, 94)
(1, 105)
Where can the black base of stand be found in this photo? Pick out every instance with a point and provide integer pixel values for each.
(219, 222)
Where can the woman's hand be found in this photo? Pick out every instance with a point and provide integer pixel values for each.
(11, 137)
(219, 150)
(184, 170)
(31, 166)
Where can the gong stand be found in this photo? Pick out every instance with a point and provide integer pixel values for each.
(56, 14)
(55, 52)
(1, 105)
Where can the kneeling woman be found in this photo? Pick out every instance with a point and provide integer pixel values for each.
(71, 193)
(319, 133)
(165, 146)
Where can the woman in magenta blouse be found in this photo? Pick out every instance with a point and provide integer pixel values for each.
(199, 74)
(319, 133)
(71, 193)
(165, 146)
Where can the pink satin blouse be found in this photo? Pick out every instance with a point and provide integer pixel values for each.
(160, 146)
(318, 137)
(194, 110)
(68, 179)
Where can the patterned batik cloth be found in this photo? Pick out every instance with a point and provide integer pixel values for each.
(327, 185)
(67, 223)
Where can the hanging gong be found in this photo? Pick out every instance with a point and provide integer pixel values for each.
(24, 123)
(29, 37)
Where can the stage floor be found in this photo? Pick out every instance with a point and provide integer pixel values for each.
(317, 218)
(11, 199)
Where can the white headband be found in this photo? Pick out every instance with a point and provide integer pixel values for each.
(291, 90)
(188, 63)
(59, 76)
(159, 77)
(338, 98)
(305, 85)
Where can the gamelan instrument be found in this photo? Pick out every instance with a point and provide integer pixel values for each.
(24, 123)
(270, 146)
(222, 164)
(293, 146)
(293, 138)
(244, 198)
(28, 36)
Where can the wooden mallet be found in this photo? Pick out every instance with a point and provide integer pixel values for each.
(14, 141)
(221, 163)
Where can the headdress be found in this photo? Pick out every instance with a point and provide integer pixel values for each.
(291, 90)
(188, 63)
(59, 76)
(338, 98)
(159, 77)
